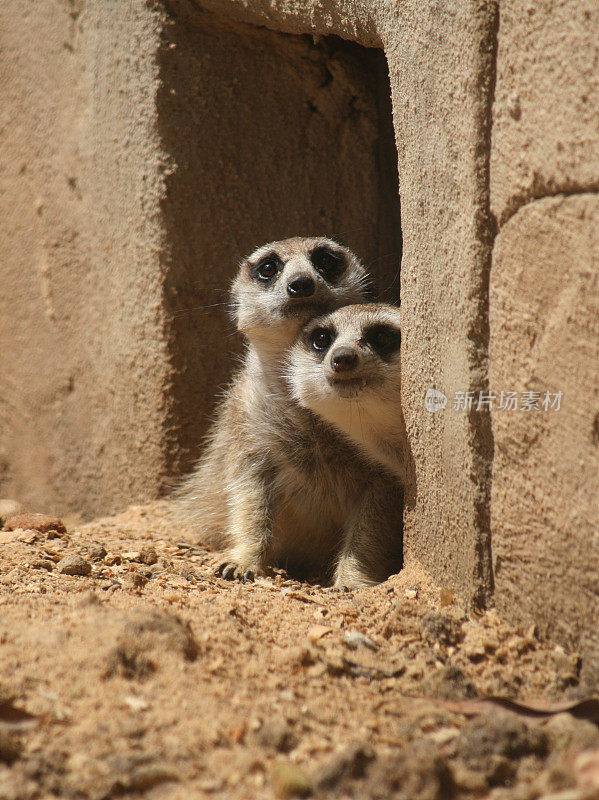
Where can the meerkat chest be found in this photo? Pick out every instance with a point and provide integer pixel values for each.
(300, 542)
(310, 513)
(313, 496)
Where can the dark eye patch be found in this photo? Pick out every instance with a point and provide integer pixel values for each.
(267, 269)
(384, 339)
(329, 263)
(320, 339)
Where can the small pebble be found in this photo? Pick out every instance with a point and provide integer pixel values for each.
(34, 522)
(148, 555)
(135, 580)
(289, 781)
(189, 573)
(136, 703)
(41, 563)
(74, 565)
(97, 552)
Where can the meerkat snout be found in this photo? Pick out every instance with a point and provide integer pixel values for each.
(301, 286)
(344, 359)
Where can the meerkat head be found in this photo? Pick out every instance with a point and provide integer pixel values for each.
(283, 285)
(345, 367)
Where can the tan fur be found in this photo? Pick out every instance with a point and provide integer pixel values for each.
(276, 486)
(363, 403)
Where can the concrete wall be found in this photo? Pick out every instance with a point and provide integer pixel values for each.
(545, 340)
(84, 360)
(544, 311)
(167, 139)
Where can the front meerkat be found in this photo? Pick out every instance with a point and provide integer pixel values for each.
(345, 367)
(276, 486)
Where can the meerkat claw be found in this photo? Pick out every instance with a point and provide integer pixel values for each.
(230, 571)
(226, 570)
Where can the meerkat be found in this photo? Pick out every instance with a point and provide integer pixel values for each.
(345, 367)
(276, 486)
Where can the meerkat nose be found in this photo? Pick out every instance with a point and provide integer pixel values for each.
(301, 286)
(344, 359)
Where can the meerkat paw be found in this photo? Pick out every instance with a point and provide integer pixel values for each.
(232, 571)
(239, 566)
(350, 575)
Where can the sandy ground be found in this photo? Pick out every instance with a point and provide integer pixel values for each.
(151, 677)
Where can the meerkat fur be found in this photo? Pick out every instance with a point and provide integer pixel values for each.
(345, 367)
(276, 486)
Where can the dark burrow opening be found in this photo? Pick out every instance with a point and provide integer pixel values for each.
(267, 136)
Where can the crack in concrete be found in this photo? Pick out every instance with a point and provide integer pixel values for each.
(479, 420)
(520, 201)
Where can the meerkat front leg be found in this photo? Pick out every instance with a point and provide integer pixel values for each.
(249, 529)
(373, 547)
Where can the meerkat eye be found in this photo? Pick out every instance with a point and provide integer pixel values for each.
(384, 339)
(321, 339)
(328, 263)
(266, 269)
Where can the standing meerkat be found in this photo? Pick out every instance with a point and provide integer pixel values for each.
(345, 367)
(277, 487)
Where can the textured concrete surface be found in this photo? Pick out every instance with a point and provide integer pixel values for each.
(545, 338)
(544, 310)
(145, 151)
(356, 20)
(83, 357)
(441, 111)
(546, 112)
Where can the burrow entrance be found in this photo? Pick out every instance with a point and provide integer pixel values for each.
(268, 135)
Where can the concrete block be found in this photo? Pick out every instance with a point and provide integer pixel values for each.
(81, 329)
(544, 315)
(546, 110)
(441, 101)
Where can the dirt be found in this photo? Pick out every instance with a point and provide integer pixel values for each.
(128, 669)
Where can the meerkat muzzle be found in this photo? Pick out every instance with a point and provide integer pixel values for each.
(301, 286)
(344, 359)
